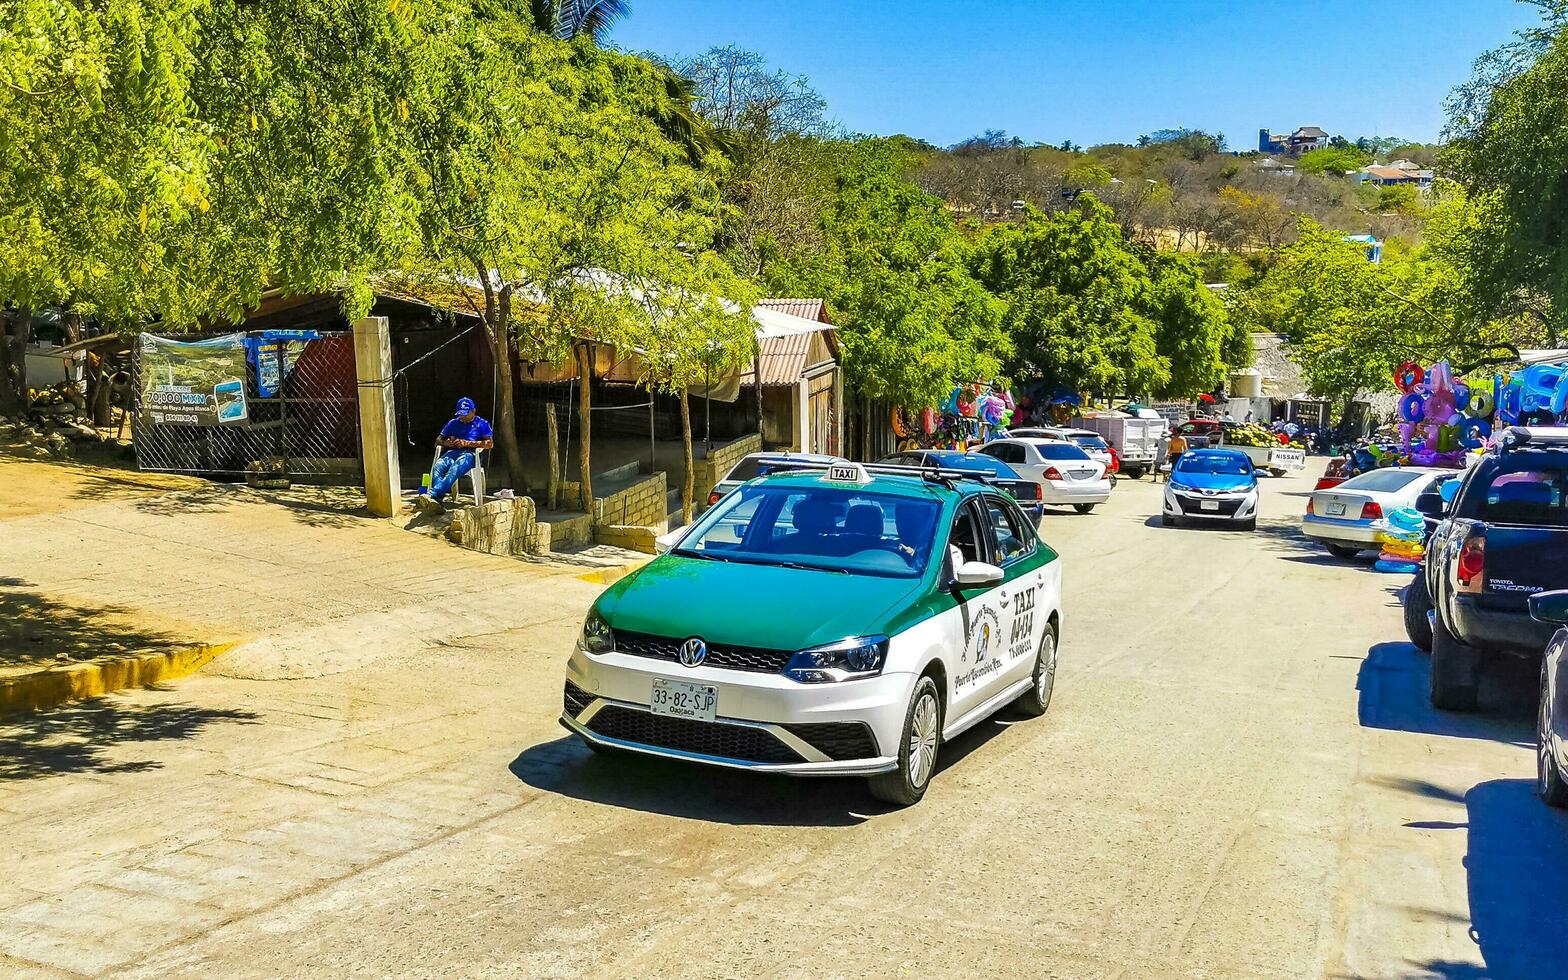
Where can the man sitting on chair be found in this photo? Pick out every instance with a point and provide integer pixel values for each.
(460, 440)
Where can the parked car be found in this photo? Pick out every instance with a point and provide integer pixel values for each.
(1551, 730)
(844, 621)
(1503, 538)
(1343, 516)
(1212, 485)
(1136, 440)
(751, 466)
(1065, 473)
(1089, 441)
(992, 470)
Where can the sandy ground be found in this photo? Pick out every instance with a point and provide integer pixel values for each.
(1239, 777)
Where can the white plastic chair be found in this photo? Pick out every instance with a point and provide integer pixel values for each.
(476, 476)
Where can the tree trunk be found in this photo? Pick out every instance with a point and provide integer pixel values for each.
(584, 353)
(688, 501)
(506, 415)
(552, 445)
(15, 330)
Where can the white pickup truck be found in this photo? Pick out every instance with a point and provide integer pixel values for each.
(1278, 460)
(1136, 441)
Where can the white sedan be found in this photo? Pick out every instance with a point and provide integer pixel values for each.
(1065, 473)
(1342, 517)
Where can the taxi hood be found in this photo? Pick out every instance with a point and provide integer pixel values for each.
(754, 605)
(1216, 481)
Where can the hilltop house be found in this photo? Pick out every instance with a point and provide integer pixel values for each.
(1304, 140)
(1400, 172)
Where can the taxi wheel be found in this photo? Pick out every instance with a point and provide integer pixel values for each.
(917, 749)
(1033, 702)
(1084, 508)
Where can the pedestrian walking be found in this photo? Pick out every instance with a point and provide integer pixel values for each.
(1173, 451)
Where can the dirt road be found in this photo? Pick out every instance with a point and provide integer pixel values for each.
(1239, 777)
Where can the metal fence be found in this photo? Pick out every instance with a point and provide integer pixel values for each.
(302, 415)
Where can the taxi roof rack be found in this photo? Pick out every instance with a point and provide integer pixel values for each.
(931, 474)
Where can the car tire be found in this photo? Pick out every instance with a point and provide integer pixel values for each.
(1455, 670)
(917, 749)
(1342, 551)
(1549, 782)
(1134, 472)
(1034, 702)
(1168, 520)
(1276, 474)
(1083, 508)
(1418, 602)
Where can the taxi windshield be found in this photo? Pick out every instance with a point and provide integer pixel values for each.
(831, 528)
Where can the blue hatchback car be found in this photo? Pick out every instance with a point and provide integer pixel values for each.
(1212, 485)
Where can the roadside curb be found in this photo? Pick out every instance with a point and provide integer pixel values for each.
(56, 685)
(609, 576)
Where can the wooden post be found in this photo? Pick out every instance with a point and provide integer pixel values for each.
(552, 449)
(585, 423)
(377, 422)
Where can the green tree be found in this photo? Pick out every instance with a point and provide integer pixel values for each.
(571, 19)
(912, 320)
(1077, 300)
(1194, 333)
(1333, 161)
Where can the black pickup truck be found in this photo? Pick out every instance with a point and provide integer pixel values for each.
(1503, 538)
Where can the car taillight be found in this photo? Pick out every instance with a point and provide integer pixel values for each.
(1309, 506)
(1371, 511)
(1051, 473)
(1472, 564)
(1036, 492)
(713, 498)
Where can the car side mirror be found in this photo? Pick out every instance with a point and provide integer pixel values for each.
(1259, 471)
(1550, 607)
(972, 574)
(1430, 504)
(669, 539)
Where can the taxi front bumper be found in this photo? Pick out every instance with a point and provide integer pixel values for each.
(764, 722)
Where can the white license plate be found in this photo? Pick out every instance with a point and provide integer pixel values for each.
(681, 700)
(1336, 510)
(1208, 505)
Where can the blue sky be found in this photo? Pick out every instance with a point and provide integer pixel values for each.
(1098, 71)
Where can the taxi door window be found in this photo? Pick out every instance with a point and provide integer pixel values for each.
(1010, 537)
(966, 537)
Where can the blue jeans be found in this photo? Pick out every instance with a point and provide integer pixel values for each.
(449, 469)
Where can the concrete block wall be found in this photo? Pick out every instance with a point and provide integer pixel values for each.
(628, 536)
(499, 527)
(713, 469)
(642, 504)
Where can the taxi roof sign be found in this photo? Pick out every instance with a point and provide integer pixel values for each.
(846, 473)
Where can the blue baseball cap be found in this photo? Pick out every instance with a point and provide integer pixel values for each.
(465, 405)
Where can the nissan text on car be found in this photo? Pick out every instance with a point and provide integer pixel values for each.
(835, 620)
(1212, 485)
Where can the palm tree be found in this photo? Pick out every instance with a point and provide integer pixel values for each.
(570, 19)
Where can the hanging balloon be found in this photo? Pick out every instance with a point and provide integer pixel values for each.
(1481, 403)
(1559, 402)
(1448, 438)
(1511, 403)
(1412, 408)
(1474, 432)
(1408, 375)
(928, 420)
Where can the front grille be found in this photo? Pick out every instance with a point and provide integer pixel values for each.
(704, 737)
(841, 741)
(576, 699)
(1190, 505)
(755, 659)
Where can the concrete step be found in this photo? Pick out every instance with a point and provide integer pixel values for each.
(567, 530)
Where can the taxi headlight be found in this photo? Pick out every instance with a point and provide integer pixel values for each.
(858, 656)
(1179, 487)
(597, 637)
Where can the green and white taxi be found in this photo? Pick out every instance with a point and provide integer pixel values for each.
(836, 619)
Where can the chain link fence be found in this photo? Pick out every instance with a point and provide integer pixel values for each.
(298, 416)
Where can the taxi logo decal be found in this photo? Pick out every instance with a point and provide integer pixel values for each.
(693, 652)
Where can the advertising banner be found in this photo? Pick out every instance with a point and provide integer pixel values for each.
(199, 383)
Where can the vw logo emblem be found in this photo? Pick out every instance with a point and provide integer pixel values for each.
(693, 652)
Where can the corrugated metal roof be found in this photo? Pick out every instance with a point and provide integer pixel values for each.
(783, 359)
(810, 309)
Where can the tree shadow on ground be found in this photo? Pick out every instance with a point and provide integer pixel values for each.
(321, 506)
(80, 736)
(37, 631)
(1394, 686)
(696, 792)
(1517, 869)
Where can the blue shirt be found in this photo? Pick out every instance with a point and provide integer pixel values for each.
(476, 431)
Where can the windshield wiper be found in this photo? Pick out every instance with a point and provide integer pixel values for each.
(705, 555)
